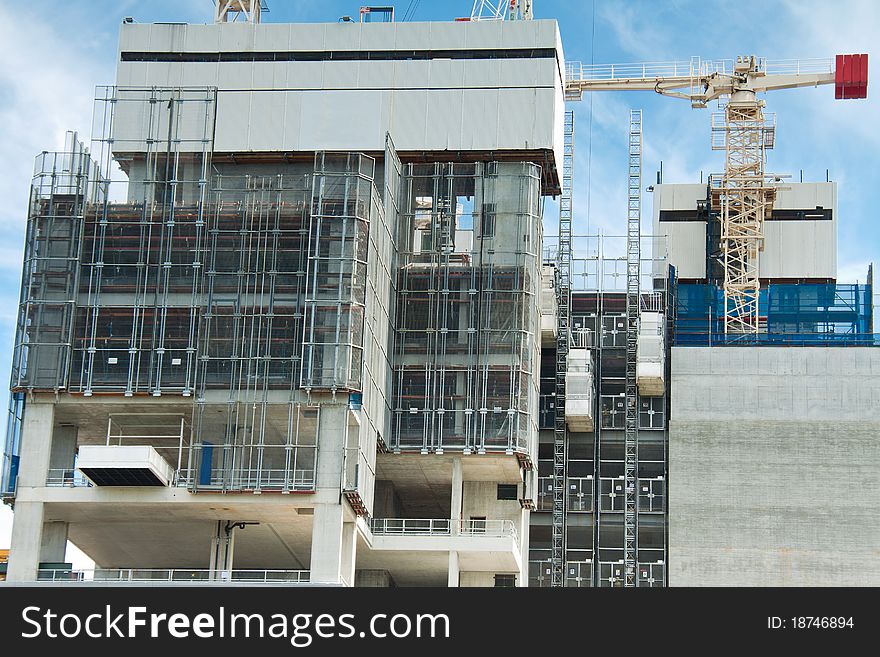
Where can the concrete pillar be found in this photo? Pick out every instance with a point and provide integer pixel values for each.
(524, 548)
(334, 537)
(222, 550)
(331, 447)
(349, 552)
(26, 544)
(457, 494)
(26, 547)
(454, 574)
(53, 545)
(332, 546)
(63, 450)
(36, 444)
(373, 579)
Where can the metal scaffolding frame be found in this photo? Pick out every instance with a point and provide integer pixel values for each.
(633, 304)
(467, 286)
(236, 294)
(595, 465)
(563, 335)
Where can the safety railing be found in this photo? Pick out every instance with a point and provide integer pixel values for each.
(410, 526)
(495, 528)
(175, 575)
(706, 339)
(64, 478)
(815, 66)
(441, 527)
(646, 70)
(696, 66)
(247, 479)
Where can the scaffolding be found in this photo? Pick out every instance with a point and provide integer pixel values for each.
(563, 336)
(467, 313)
(234, 296)
(805, 314)
(596, 461)
(64, 187)
(633, 304)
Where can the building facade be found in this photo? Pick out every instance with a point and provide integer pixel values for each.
(295, 340)
(292, 318)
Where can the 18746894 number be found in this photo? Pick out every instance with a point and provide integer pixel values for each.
(810, 622)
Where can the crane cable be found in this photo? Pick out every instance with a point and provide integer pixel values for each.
(410, 10)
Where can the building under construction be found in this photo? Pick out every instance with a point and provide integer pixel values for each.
(291, 318)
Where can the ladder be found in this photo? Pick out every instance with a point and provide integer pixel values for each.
(631, 426)
(563, 324)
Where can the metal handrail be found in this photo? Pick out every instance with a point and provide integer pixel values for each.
(575, 70)
(410, 526)
(300, 479)
(66, 478)
(177, 575)
(441, 527)
(646, 70)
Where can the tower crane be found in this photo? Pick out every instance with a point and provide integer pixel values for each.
(499, 10)
(743, 131)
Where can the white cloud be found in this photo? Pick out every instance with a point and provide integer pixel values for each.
(49, 93)
(636, 31)
(45, 89)
(853, 272)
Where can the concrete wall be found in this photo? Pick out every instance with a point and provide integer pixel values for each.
(773, 458)
(438, 104)
(792, 248)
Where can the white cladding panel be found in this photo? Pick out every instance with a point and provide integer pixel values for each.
(686, 245)
(485, 105)
(685, 240)
(792, 248)
(799, 249)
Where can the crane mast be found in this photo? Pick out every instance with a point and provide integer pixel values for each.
(744, 199)
(499, 10)
(744, 194)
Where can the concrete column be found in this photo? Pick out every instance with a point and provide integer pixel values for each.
(524, 548)
(53, 546)
(454, 574)
(327, 544)
(26, 544)
(26, 548)
(63, 448)
(222, 550)
(349, 552)
(457, 493)
(331, 446)
(373, 579)
(36, 444)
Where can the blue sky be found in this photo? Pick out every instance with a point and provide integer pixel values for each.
(56, 53)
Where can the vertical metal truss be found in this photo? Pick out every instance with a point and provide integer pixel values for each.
(65, 184)
(499, 10)
(130, 247)
(563, 299)
(335, 293)
(744, 200)
(631, 426)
